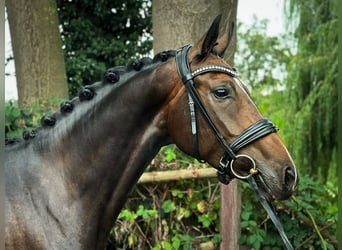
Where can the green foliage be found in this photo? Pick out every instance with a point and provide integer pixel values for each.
(185, 212)
(313, 204)
(100, 34)
(294, 83)
(312, 87)
(261, 59)
(17, 121)
(273, 90)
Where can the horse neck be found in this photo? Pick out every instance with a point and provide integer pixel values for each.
(108, 147)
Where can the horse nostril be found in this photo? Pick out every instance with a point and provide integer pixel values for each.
(290, 178)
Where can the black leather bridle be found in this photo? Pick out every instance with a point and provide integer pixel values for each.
(260, 129)
(225, 169)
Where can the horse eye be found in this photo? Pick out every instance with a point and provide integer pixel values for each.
(221, 93)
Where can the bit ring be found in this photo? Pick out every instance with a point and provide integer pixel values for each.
(252, 171)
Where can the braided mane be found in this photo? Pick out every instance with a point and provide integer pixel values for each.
(113, 76)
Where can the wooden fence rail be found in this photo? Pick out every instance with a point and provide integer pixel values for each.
(174, 175)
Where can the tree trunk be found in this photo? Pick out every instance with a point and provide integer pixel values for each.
(176, 23)
(37, 50)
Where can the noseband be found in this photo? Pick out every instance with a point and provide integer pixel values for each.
(260, 129)
(225, 169)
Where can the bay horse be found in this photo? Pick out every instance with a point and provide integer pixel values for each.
(67, 182)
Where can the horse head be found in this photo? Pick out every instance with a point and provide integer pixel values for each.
(204, 75)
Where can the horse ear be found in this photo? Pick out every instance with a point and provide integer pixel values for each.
(208, 41)
(224, 41)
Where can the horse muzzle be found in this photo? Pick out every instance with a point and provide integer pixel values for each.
(277, 186)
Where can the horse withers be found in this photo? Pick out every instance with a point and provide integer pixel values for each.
(67, 182)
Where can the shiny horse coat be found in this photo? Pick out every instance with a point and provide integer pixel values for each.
(67, 182)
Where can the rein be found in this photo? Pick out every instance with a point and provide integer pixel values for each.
(271, 212)
(225, 170)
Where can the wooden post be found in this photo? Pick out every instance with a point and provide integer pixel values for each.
(230, 194)
(176, 23)
(230, 215)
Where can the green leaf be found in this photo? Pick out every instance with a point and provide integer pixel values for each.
(245, 215)
(205, 220)
(157, 247)
(12, 114)
(170, 155)
(177, 193)
(251, 239)
(244, 224)
(167, 245)
(253, 223)
(127, 215)
(168, 206)
(176, 242)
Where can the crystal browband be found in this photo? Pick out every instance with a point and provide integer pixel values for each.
(210, 68)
